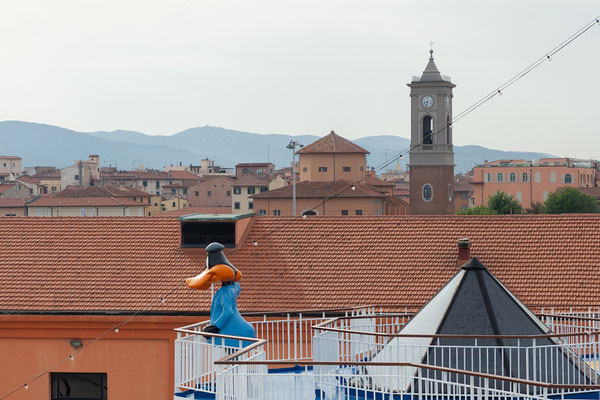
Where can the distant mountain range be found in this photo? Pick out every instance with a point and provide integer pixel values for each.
(40, 144)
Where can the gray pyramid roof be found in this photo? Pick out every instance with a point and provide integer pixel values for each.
(431, 73)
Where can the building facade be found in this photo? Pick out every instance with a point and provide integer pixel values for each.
(82, 173)
(211, 192)
(10, 167)
(332, 158)
(530, 182)
(244, 188)
(431, 152)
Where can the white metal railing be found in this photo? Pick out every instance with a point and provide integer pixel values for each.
(285, 339)
(364, 354)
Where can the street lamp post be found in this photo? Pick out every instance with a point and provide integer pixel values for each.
(292, 146)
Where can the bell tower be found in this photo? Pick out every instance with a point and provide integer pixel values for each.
(431, 156)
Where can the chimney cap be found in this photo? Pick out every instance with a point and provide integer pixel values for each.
(464, 243)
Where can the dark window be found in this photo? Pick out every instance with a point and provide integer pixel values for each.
(344, 212)
(200, 234)
(513, 177)
(155, 204)
(145, 183)
(304, 169)
(173, 204)
(309, 212)
(525, 177)
(149, 202)
(184, 191)
(197, 193)
(251, 190)
(427, 130)
(568, 178)
(345, 169)
(427, 192)
(209, 193)
(262, 212)
(263, 189)
(172, 191)
(361, 168)
(358, 212)
(76, 177)
(236, 205)
(78, 386)
(157, 184)
(250, 205)
(322, 169)
(276, 212)
(228, 193)
(237, 190)
(245, 171)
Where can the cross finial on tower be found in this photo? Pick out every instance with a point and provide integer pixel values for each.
(431, 49)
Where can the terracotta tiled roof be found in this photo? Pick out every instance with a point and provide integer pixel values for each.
(183, 175)
(251, 180)
(343, 261)
(102, 191)
(332, 143)
(56, 201)
(375, 181)
(308, 189)
(196, 210)
(298, 263)
(12, 157)
(9, 203)
(5, 187)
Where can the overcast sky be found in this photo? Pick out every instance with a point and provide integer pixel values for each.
(301, 67)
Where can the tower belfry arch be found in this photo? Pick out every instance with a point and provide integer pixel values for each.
(432, 155)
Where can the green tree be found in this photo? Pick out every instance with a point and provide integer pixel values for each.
(570, 200)
(504, 203)
(477, 210)
(536, 208)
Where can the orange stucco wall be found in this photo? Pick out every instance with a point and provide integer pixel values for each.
(138, 360)
(334, 162)
(530, 191)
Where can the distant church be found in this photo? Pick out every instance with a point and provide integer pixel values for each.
(431, 154)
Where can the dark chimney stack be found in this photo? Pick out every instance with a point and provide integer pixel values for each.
(464, 251)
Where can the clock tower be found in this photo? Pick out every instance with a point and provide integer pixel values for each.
(431, 154)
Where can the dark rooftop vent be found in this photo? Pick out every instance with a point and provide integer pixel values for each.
(201, 234)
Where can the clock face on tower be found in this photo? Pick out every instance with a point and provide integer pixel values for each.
(427, 101)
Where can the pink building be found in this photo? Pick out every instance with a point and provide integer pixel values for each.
(530, 182)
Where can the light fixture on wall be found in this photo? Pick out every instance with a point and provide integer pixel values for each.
(76, 343)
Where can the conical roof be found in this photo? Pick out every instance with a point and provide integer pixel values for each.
(474, 302)
(431, 73)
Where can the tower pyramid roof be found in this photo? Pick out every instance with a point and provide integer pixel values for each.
(431, 72)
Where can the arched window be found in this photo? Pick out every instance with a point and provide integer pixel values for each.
(427, 192)
(488, 178)
(525, 177)
(568, 178)
(427, 130)
(513, 177)
(538, 177)
(552, 176)
(500, 177)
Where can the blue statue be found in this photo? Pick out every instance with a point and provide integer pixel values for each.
(225, 318)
